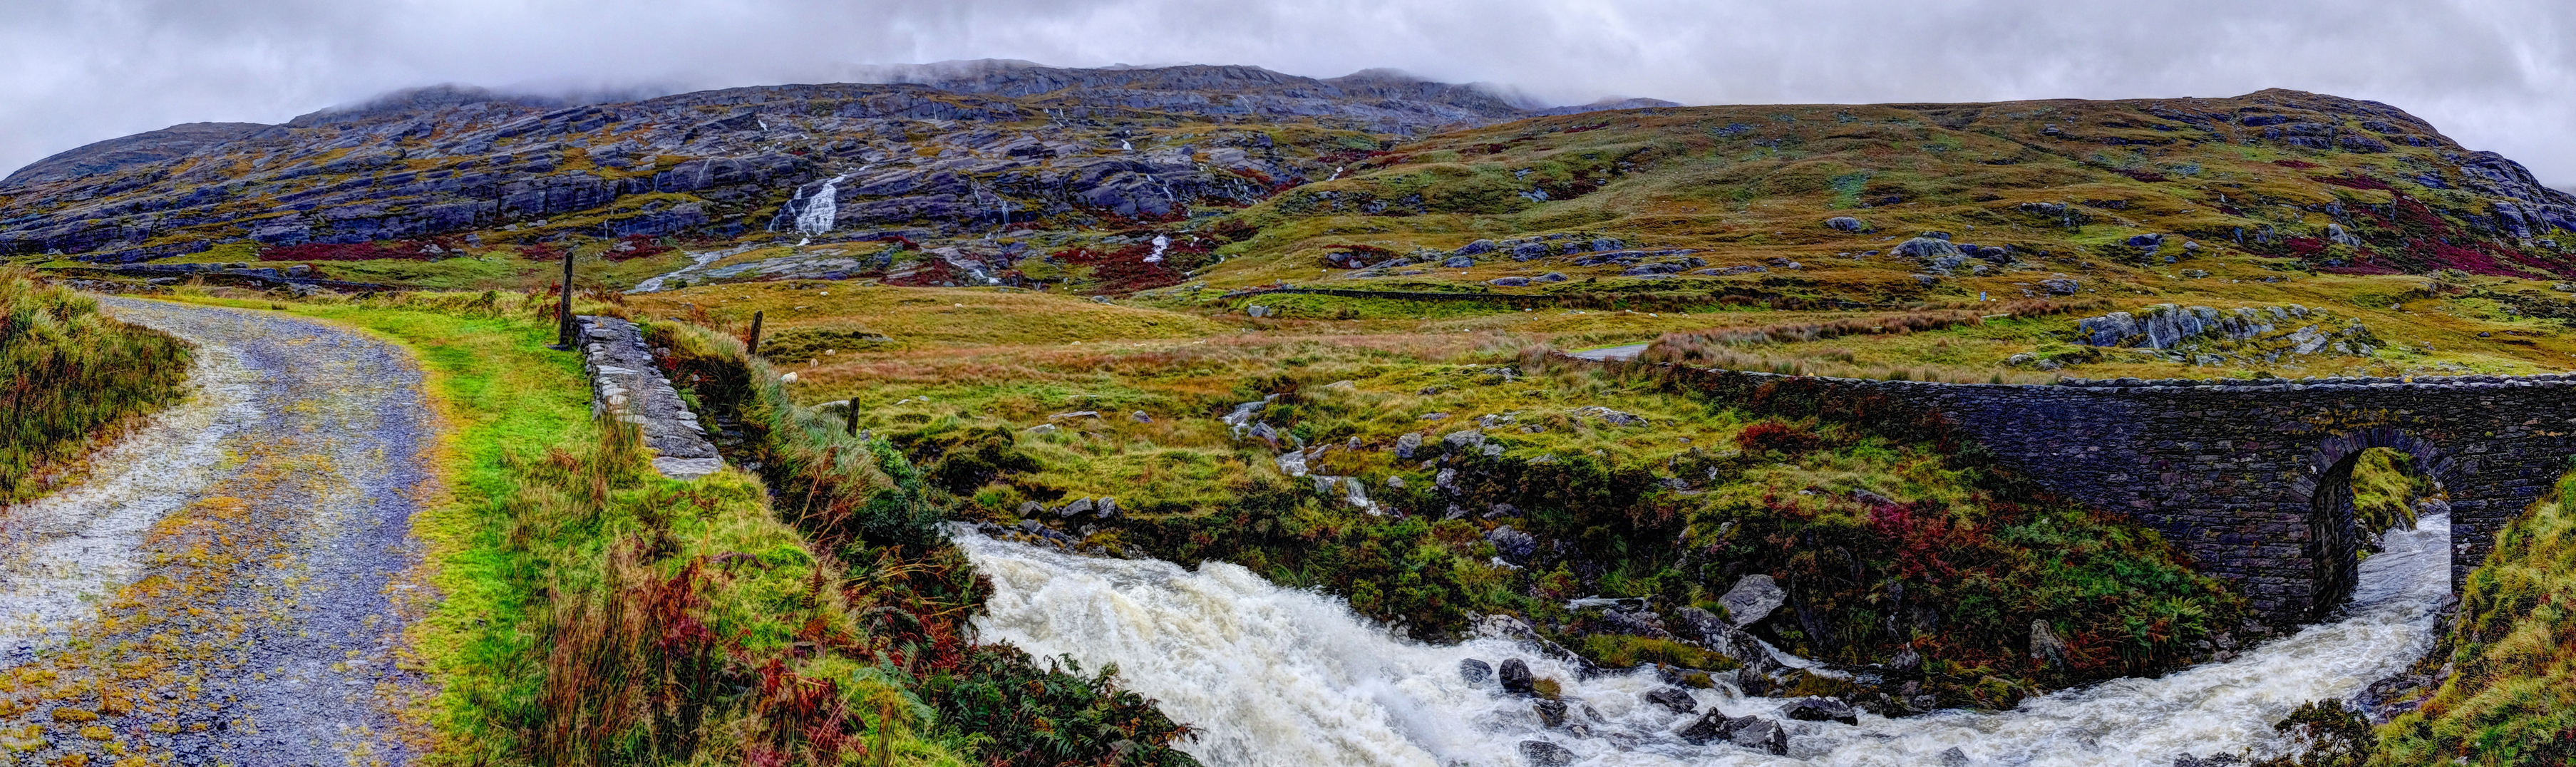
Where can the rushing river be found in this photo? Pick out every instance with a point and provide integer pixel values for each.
(1273, 676)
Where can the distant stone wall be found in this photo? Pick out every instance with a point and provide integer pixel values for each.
(2249, 477)
(625, 383)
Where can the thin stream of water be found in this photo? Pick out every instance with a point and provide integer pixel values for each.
(1273, 676)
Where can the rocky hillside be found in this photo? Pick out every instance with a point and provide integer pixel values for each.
(1893, 201)
(948, 149)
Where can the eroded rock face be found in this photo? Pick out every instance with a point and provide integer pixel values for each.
(944, 148)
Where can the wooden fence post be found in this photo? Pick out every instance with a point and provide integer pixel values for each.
(563, 312)
(751, 346)
(854, 416)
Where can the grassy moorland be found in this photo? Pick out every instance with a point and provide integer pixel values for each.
(1011, 399)
(71, 377)
(594, 612)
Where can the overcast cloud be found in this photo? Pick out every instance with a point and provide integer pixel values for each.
(2493, 74)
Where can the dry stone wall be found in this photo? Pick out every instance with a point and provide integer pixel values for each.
(2249, 477)
(626, 384)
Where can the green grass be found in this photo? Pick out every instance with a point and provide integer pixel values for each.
(71, 378)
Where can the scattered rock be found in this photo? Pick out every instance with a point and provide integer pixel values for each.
(1141, 417)
(1541, 753)
(1509, 282)
(1847, 224)
(1473, 248)
(1676, 699)
(1515, 677)
(1044, 428)
(1475, 671)
(1612, 417)
(2060, 286)
(1460, 262)
(1513, 545)
(1752, 599)
(1406, 445)
(1549, 277)
(1822, 710)
(1075, 509)
(1925, 248)
(1464, 439)
(1954, 758)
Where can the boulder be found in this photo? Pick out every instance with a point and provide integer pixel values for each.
(1752, 599)
(1075, 509)
(1947, 262)
(1509, 282)
(1821, 710)
(1406, 445)
(1475, 671)
(1458, 262)
(1540, 753)
(1676, 699)
(1954, 757)
(1473, 248)
(1925, 247)
(1549, 277)
(2146, 241)
(2060, 286)
(1607, 243)
(1847, 224)
(1761, 735)
(1530, 251)
(1515, 677)
(1106, 509)
(1709, 727)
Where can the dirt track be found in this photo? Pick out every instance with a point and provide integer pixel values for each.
(230, 584)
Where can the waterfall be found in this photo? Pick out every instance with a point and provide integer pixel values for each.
(1160, 242)
(815, 217)
(1274, 676)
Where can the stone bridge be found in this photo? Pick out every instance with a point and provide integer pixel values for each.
(2250, 477)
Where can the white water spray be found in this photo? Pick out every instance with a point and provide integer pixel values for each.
(1273, 676)
(819, 211)
(1160, 243)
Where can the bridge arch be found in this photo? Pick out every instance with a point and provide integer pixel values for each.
(2232, 471)
(2334, 534)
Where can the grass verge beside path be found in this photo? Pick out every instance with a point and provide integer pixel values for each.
(595, 612)
(70, 377)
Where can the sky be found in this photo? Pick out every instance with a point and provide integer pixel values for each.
(2491, 74)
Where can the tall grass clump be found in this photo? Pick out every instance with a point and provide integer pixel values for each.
(2503, 681)
(69, 375)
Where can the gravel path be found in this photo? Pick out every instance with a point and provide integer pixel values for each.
(230, 584)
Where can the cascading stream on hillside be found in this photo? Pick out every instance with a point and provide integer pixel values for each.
(1275, 676)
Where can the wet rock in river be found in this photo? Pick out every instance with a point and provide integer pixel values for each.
(1516, 677)
(1674, 698)
(1541, 753)
(1822, 710)
(1474, 671)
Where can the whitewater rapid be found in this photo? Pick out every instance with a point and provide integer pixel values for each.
(1274, 676)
